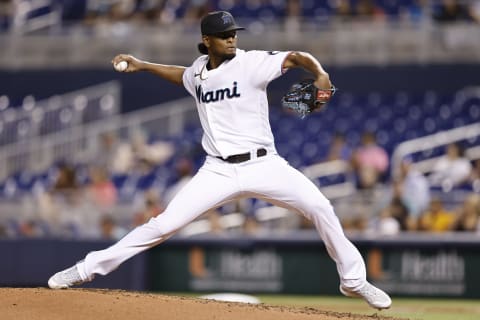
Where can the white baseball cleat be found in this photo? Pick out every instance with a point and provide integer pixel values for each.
(375, 297)
(65, 279)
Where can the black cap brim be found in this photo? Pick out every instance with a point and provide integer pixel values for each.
(203, 48)
(231, 28)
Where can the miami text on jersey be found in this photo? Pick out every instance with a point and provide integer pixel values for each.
(217, 95)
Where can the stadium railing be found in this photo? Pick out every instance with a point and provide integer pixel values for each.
(59, 112)
(80, 144)
(34, 15)
(442, 138)
(25, 130)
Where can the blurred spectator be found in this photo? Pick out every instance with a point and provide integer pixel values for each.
(184, 170)
(450, 11)
(344, 10)
(6, 12)
(213, 217)
(196, 10)
(293, 14)
(46, 208)
(370, 162)
(339, 149)
(357, 223)
(109, 229)
(121, 157)
(3, 231)
(71, 214)
(243, 219)
(387, 225)
(251, 226)
(209, 222)
(397, 208)
(107, 11)
(294, 8)
(149, 10)
(66, 179)
(65, 192)
(467, 218)
(415, 190)
(474, 10)
(368, 9)
(415, 11)
(121, 10)
(474, 178)
(452, 169)
(150, 154)
(101, 191)
(115, 155)
(152, 207)
(394, 217)
(31, 229)
(243, 205)
(437, 218)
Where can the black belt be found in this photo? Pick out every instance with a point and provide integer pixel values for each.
(242, 157)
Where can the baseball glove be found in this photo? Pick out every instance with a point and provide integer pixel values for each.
(304, 97)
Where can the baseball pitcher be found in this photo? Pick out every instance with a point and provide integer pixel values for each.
(229, 87)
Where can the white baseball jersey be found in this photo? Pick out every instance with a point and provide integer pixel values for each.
(232, 101)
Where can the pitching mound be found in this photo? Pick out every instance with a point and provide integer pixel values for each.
(82, 304)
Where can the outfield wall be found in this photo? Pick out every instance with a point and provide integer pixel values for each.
(30, 262)
(413, 265)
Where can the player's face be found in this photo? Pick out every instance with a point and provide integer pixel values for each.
(223, 44)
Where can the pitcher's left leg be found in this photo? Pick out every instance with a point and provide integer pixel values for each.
(275, 180)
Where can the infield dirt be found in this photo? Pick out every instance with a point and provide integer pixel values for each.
(85, 304)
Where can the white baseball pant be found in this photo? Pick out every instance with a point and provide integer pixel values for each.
(269, 178)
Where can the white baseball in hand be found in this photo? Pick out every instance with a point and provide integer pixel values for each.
(121, 66)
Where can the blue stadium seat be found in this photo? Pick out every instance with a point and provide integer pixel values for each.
(374, 100)
(310, 153)
(472, 141)
(353, 138)
(429, 125)
(371, 124)
(24, 181)
(119, 180)
(460, 121)
(146, 181)
(399, 125)
(474, 111)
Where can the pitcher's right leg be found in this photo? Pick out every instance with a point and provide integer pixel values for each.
(211, 186)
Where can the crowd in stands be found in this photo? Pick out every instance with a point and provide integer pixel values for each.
(86, 202)
(132, 178)
(166, 12)
(413, 201)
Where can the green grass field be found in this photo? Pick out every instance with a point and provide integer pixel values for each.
(415, 309)
(405, 308)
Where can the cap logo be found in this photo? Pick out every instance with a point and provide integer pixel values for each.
(226, 18)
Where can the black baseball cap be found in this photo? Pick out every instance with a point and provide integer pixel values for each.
(217, 22)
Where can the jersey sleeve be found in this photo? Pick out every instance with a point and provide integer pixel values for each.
(265, 66)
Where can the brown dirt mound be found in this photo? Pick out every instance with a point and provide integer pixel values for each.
(73, 304)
